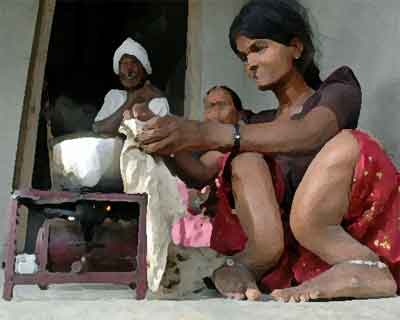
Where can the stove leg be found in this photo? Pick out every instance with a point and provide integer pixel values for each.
(8, 290)
(10, 250)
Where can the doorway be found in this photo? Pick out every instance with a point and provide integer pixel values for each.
(79, 73)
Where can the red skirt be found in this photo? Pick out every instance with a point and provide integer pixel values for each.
(373, 219)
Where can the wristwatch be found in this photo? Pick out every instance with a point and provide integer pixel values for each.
(236, 138)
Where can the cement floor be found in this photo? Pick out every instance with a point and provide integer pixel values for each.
(95, 302)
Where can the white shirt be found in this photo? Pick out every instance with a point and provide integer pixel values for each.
(114, 99)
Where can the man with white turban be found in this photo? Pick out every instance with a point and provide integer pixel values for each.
(140, 99)
(125, 111)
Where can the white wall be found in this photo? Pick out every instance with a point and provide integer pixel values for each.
(210, 59)
(17, 24)
(363, 34)
(218, 64)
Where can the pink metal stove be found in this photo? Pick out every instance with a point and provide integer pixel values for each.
(78, 274)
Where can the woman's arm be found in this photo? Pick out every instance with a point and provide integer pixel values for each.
(291, 136)
(194, 171)
(171, 134)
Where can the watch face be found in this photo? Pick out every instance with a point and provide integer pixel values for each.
(237, 132)
(236, 138)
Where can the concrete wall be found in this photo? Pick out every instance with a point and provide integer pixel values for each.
(364, 34)
(360, 33)
(17, 25)
(219, 65)
(210, 59)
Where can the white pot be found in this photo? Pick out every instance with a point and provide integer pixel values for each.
(86, 160)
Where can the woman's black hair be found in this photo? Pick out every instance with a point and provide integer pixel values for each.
(237, 103)
(280, 21)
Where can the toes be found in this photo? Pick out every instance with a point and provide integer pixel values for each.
(315, 295)
(290, 295)
(303, 298)
(297, 297)
(280, 295)
(253, 294)
(275, 294)
(292, 300)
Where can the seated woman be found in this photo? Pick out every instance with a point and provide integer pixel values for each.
(221, 104)
(341, 197)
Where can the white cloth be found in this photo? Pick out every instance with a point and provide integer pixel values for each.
(131, 47)
(144, 173)
(114, 99)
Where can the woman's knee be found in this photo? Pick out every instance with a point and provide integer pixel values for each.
(301, 224)
(343, 149)
(268, 252)
(322, 197)
(275, 251)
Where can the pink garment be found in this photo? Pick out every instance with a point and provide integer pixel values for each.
(191, 230)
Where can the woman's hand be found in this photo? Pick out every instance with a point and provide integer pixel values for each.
(168, 135)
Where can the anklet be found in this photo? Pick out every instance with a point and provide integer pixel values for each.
(378, 264)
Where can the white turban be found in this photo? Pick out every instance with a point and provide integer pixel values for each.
(131, 47)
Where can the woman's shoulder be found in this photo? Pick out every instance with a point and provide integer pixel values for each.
(340, 87)
(341, 77)
(341, 93)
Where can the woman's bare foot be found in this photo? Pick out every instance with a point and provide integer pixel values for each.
(344, 280)
(236, 282)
